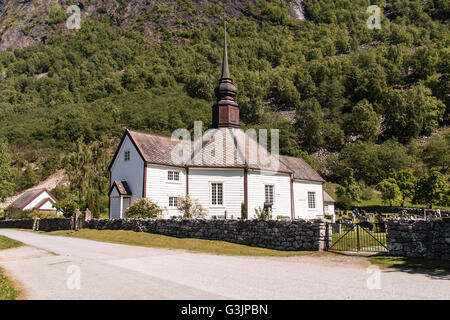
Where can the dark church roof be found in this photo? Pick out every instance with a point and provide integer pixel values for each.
(122, 187)
(302, 170)
(238, 150)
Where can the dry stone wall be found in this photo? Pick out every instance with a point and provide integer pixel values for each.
(281, 235)
(419, 238)
(39, 224)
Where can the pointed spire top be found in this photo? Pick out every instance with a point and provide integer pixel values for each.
(225, 69)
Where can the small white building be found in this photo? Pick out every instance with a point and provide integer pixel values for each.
(38, 199)
(222, 169)
(328, 204)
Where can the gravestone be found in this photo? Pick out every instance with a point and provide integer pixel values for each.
(87, 215)
(77, 219)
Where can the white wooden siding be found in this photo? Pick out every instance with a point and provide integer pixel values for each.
(114, 205)
(233, 190)
(47, 205)
(131, 171)
(329, 208)
(301, 189)
(159, 188)
(256, 193)
(39, 199)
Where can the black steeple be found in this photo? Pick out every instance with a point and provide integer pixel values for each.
(225, 110)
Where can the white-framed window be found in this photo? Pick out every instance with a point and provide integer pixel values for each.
(268, 193)
(173, 202)
(173, 175)
(127, 156)
(311, 200)
(216, 194)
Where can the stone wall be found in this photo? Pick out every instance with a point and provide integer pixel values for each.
(386, 209)
(17, 224)
(280, 235)
(419, 238)
(38, 224)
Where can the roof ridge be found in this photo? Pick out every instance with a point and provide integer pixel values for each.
(155, 135)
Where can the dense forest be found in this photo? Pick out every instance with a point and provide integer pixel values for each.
(368, 106)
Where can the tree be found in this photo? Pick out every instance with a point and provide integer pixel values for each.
(362, 157)
(310, 124)
(406, 181)
(144, 208)
(432, 190)
(191, 209)
(364, 121)
(436, 154)
(28, 178)
(349, 187)
(389, 190)
(344, 202)
(412, 112)
(93, 204)
(6, 184)
(67, 207)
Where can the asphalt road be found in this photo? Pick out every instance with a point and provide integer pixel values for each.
(48, 268)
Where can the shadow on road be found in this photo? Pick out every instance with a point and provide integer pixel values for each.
(436, 269)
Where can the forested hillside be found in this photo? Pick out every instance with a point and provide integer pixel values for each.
(367, 103)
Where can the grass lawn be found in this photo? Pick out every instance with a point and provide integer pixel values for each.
(194, 245)
(8, 289)
(7, 243)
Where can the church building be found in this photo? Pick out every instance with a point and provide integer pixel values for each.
(223, 169)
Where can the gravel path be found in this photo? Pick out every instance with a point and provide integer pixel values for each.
(113, 271)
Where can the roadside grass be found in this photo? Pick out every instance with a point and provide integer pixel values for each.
(165, 242)
(8, 289)
(410, 263)
(7, 243)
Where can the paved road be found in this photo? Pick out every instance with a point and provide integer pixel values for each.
(113, 271)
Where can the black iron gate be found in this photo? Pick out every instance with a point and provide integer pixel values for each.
(361, 237)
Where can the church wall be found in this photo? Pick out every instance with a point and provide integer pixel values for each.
(256, 193)
(131, 171)
(233, 190)
(159, 188)
(301, 189)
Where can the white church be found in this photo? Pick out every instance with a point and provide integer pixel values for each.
(223, 169)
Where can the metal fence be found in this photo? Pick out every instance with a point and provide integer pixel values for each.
(360, 237)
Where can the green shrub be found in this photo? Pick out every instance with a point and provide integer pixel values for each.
(263, 214)
(190, 209)
(144, 208)
(244, 211)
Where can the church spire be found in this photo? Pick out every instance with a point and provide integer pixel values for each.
(225, 69)
(225, 111)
